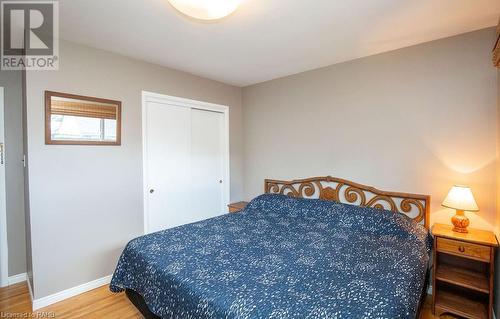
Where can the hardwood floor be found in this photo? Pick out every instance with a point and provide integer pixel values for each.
(97, 303)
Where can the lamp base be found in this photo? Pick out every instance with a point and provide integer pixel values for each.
(460, 222)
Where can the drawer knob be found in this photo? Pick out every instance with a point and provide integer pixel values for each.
(461, 249)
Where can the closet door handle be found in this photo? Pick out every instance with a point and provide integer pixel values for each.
(151, 191)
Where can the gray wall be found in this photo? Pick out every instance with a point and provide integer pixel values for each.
(12, 83)
(418, 120)
(86, 201)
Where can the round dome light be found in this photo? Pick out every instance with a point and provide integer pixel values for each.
(206, 9)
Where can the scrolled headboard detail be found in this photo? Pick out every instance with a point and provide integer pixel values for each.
(336, 189)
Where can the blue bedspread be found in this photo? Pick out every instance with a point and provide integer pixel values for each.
(282, 258)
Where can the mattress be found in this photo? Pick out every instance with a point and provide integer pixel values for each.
(282, 257)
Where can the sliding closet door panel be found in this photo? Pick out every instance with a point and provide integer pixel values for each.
(185, 164)
(168, 162)
(207, 163)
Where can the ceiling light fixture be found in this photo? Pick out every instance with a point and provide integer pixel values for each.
(206, 9)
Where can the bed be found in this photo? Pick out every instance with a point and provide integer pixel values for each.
(314, 248)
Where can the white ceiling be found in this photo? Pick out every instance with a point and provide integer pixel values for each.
(267, 39)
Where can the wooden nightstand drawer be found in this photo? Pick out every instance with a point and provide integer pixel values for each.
(464, 249)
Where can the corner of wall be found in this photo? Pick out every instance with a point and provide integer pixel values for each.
(27, 219)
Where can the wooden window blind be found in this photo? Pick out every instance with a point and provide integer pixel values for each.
(102, 111)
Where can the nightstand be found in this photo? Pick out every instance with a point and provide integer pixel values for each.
(463, 272)
(236, 207)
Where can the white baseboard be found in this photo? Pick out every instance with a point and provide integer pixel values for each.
(30, 289)
(71, 292)
(17, 279)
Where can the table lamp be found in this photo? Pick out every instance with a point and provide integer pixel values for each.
(461, 199)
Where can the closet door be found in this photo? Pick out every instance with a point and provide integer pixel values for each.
(207, 163)
(168, 165)
(184, 165)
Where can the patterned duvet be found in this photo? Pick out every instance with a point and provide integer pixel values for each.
(282, 257)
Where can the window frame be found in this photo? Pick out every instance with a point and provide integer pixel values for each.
(48, 117)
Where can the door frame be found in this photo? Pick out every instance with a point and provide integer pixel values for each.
(193, 104)
(4, 248)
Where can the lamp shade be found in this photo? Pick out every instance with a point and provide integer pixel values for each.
(461, 198)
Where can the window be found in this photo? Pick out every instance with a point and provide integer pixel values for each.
(72, 119)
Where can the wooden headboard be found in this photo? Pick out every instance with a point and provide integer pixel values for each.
(416, 206)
